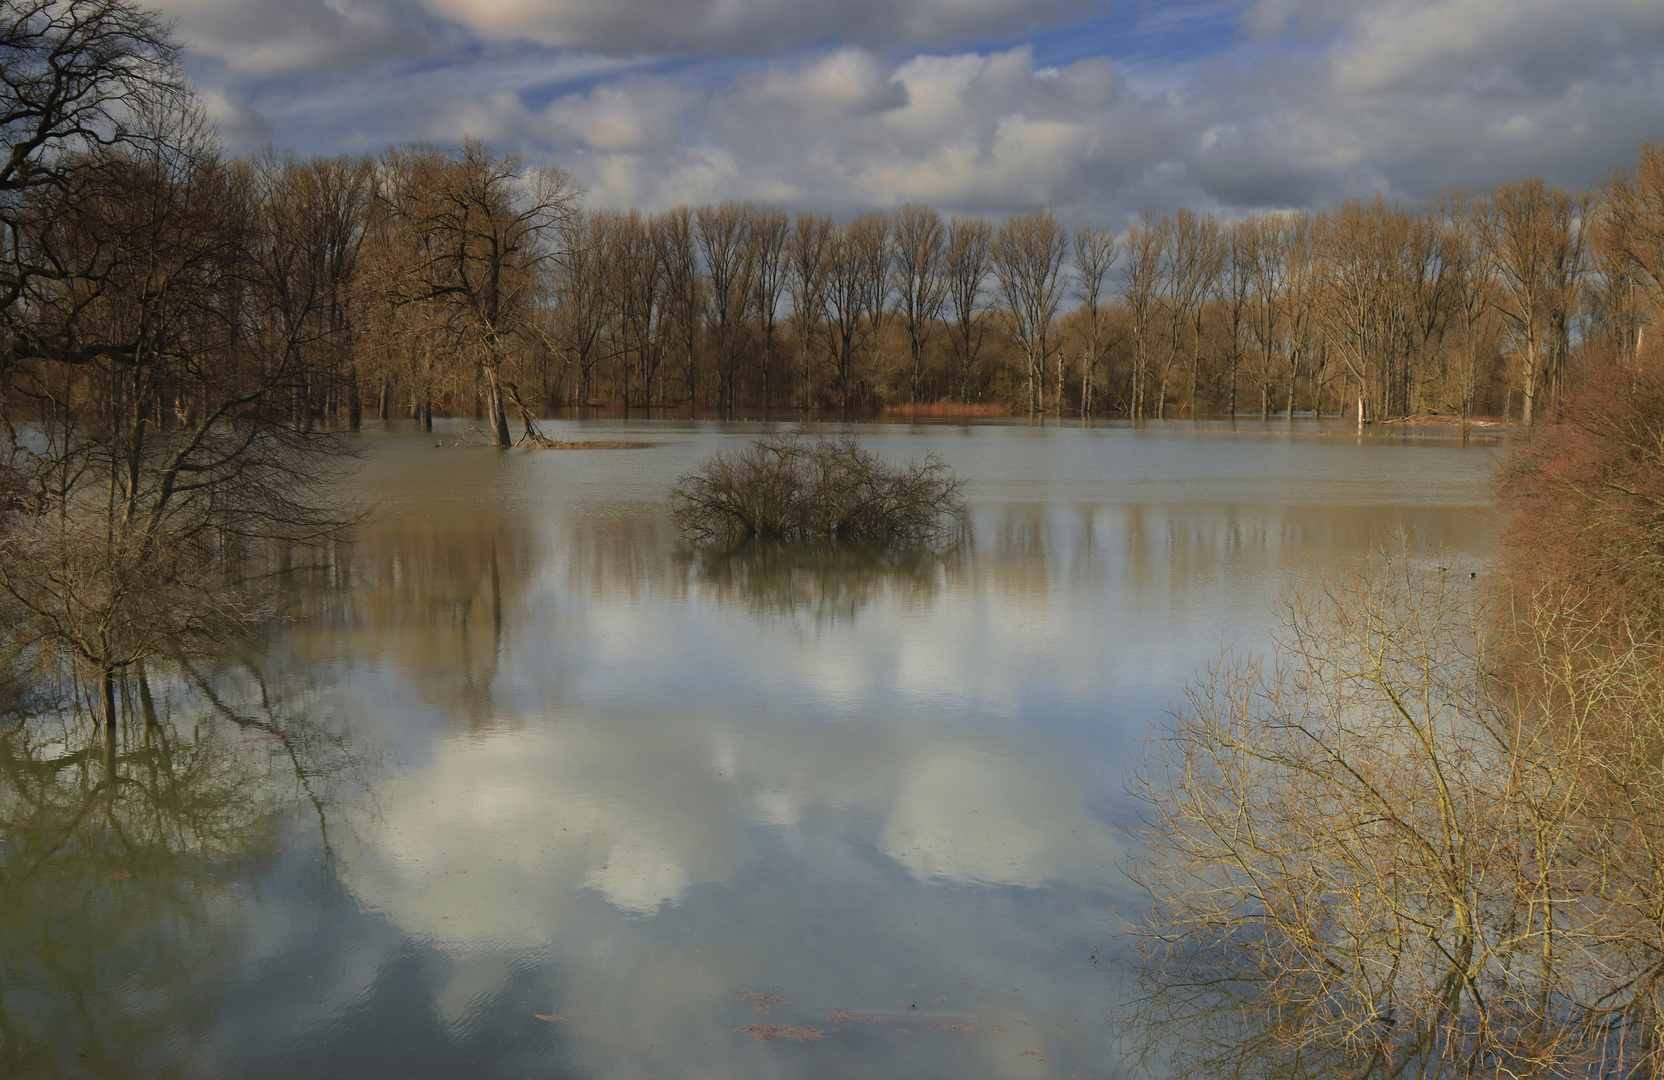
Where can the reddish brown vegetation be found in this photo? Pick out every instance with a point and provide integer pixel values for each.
(950, 408)
(1587, 498)
(770, 1032)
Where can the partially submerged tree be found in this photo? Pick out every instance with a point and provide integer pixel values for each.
(487, 228)
(161, 445)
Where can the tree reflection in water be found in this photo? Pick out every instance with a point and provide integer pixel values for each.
(125, 858)
(824, 582)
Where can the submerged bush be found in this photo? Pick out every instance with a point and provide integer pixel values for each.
(786, 488)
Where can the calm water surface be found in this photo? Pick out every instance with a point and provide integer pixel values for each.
(526, 790)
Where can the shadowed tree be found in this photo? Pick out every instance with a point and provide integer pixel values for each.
(723, 232)
(679, 251)
(766, 241)
(965, 263)
(810, 262)
(81, 82)
(164, 450)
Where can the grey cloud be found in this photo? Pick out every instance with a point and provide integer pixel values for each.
(971, 132)
(1449, 94)
(1523, 49)
(234, 117)
(1404, 97)
(266, 38)
(631, 27)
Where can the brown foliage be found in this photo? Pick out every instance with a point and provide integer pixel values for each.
(1587, 498)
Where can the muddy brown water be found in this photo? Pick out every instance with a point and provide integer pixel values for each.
(525, 789)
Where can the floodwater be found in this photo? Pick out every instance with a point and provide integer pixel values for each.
(526, 790)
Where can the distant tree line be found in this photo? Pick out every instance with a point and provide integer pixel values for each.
(1469, 305)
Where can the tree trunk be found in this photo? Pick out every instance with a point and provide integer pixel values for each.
(497, 418)
(107, 681)
(147, 704)
(355, 405)
(1529, 389)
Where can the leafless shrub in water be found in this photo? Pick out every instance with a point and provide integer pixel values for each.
(1419, 839)
(787, 488)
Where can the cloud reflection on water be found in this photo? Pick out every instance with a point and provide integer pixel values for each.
(639, 782)
(497, 839)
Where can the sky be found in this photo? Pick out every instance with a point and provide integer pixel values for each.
(1096, 108)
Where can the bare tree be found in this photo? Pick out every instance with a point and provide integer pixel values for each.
(852, 250)
(1530, 234)
(1028, 253)
(1238, 288)
(1261, 247)
(491, 228)
(1360, 252)
(921, 285)
(584, 297)
(308, 260)
(966, 260)
(722, 242)
(679, 252)
(1471, 285)
(118, 542)
(638, 283)
(767, 240)
(1632, 227)
(1095, 252)
(81, 81)
(1145, 244)
(872, 246)
(811, 249)
(1408, 844)
(1194, 257)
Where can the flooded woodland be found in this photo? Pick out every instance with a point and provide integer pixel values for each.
(524, 786)
(1148, 648)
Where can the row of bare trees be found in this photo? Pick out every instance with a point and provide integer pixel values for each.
(464, 281)
(1468, 305)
